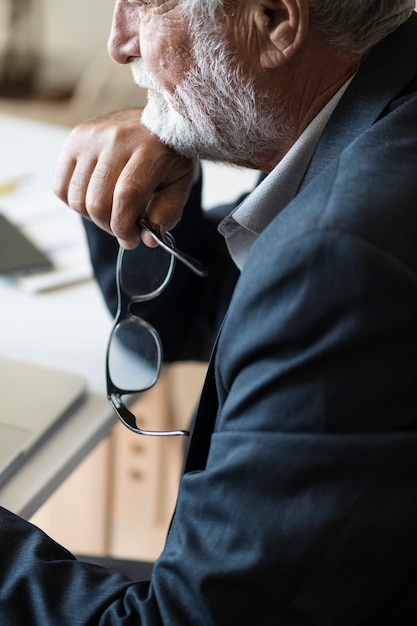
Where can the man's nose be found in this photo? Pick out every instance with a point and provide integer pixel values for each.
(123, 43)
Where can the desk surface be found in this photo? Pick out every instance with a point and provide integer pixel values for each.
(65, 328)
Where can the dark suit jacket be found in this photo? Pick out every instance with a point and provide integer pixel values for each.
(299, 500)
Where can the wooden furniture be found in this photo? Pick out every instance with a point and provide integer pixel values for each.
(120, 500)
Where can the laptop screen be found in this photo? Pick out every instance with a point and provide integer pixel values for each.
(17, 253)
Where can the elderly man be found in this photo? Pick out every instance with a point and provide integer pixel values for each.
(298, 503)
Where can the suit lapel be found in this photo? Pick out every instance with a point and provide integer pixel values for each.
(204, 421)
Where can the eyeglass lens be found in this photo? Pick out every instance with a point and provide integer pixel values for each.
(134, 355)
(143, 272)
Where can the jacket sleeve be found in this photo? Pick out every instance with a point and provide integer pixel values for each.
(309, 492)
(306, 510)
(196, 305)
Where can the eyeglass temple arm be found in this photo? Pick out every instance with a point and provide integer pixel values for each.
(154, 230)
(129, 420)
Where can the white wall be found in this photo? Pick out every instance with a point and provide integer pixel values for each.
(70, 33)
(81, 26)
(73, 46)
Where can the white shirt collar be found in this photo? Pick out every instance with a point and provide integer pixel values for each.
(242, 227)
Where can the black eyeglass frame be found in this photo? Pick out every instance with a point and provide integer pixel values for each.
(125, 301)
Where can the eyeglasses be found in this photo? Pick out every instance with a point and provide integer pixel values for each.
(134, 351)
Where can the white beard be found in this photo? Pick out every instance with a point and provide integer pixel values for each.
(172, 128)
(215, 113)
(189, 137)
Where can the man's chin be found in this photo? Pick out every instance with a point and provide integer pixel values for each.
(155, 115)
(169, 126)
(176, 131)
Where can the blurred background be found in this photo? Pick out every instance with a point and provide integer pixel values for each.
(54, 64)
(54, 73)
(55, 70)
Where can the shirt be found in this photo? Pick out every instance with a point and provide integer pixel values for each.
(242, 227)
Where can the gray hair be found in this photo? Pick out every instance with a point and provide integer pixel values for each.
(354, 26)
(210, 9)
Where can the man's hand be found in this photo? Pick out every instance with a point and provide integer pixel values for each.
(113, 171)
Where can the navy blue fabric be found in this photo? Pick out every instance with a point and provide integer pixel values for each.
(298, 505)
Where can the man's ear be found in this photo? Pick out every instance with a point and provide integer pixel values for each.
(282, 26)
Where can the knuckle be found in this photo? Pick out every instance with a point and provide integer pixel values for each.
(129, 191)
(100, 209)
(122, 228)
(76, 199)
(118, 226)
(126, 195)
(76, 204)
(60, 190)
(98, 212)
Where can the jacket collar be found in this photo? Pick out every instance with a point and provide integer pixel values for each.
(382, 77)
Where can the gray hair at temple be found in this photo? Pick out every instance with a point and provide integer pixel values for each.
(354, 26)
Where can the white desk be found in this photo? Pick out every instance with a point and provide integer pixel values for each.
(66, 328)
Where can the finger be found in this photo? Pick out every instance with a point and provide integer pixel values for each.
(132, 194)
(76, 147)
(100, 190)
(78, 185)
(62, 175)
(166, 205)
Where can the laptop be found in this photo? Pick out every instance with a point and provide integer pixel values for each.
(34, 400)
(17, 253)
